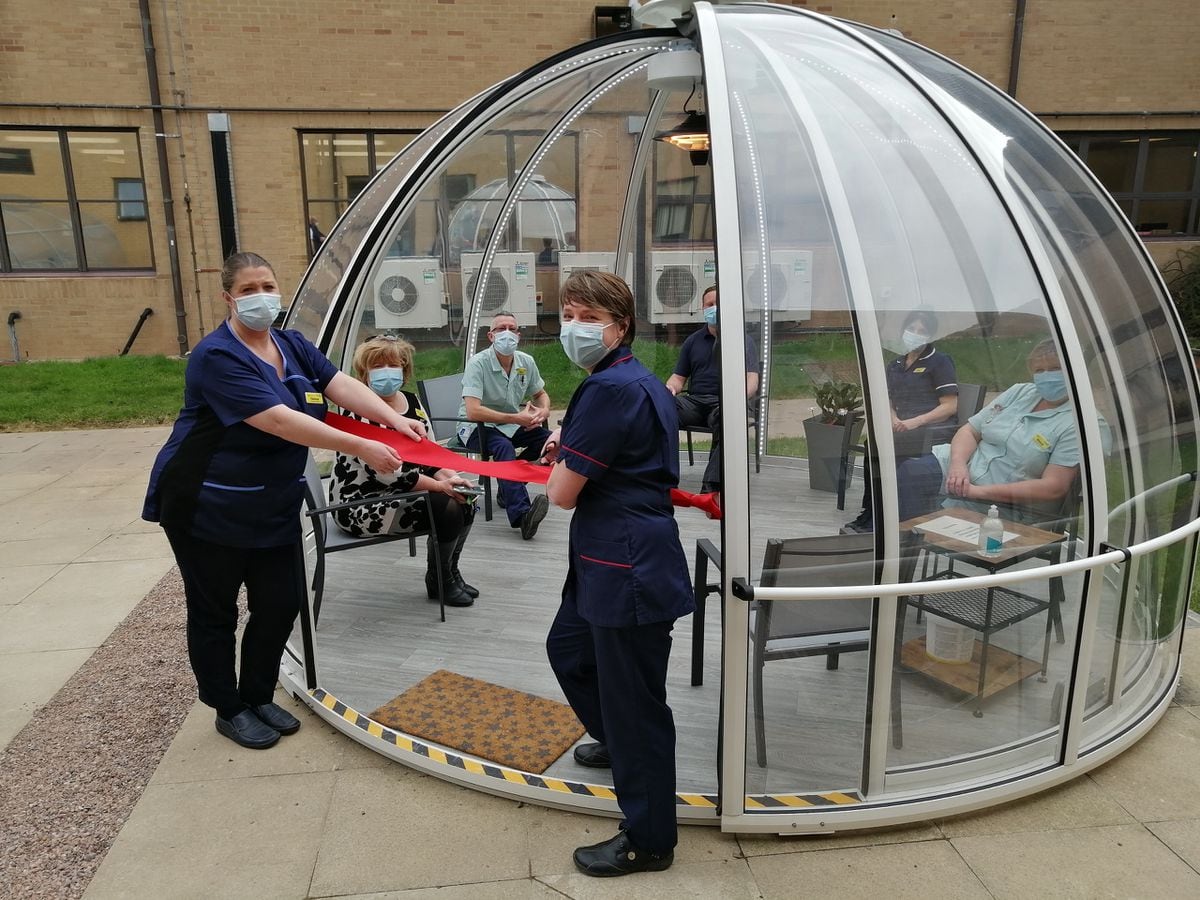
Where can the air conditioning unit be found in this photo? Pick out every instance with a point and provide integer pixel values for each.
(788, 286)
(573, 261)
(410, 293)
(677, 282)
(510, 286)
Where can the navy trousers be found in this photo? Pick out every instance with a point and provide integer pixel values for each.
(212, 576)
(616, 682)
(704, 410)
(526, 444)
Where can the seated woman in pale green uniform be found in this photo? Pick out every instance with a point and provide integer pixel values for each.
(1020, 452)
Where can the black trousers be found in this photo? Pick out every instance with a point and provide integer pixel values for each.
(212, 576)
(616, 682)
(705, 410)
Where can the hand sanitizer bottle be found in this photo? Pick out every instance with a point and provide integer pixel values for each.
(991, 533)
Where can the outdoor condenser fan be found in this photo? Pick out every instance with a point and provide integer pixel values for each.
(398, 295)
(495, 294)
(675, 288)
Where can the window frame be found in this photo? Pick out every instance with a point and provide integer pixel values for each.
(122, 202)
(74, 204)
(1080, 142)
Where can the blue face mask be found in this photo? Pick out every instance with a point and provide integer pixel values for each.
(583, 343)
(1051, 385)
(257, 311)
(386, 381)
(710, 315)
(506, 342)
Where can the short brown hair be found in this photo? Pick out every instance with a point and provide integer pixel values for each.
(383, 350)
(235, 262)
(601, 290)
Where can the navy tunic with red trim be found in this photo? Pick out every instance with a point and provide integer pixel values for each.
(621, 431)
(224, 481)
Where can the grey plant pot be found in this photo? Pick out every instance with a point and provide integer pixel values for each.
(825, 452)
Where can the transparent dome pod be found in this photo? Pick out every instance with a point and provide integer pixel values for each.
(858, 190)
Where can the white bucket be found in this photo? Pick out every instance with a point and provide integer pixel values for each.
(947, 641)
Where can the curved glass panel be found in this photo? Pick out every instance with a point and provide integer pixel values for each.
(1139, 368)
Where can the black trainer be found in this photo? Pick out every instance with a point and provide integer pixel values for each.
(249, 730)
(619, 856)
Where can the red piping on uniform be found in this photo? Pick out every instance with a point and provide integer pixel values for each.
(605, 562)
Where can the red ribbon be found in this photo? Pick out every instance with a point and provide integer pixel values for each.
(431, 453)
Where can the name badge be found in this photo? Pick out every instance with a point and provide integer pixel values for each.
(313, 397)
(919, 370)
(1041, 442)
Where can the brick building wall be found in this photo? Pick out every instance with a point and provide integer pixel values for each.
(276, 68)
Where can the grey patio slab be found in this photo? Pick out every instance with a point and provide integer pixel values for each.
(517, 889)
(58, 550)
(246, 837)
(1115, 861)
(30, 680)
(720, 880)
(924, 871)
(199, 753)
(18, 582)
(143, 545)
(1182, 836)
(1158, 777)
(1188, 693)
(79, 606)
(1073, 805)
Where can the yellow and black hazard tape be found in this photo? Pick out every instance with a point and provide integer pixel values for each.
(514, 776)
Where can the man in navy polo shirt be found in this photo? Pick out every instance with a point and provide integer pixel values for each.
(699, 367)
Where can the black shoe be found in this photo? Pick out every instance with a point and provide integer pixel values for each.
(533, 516)
(277, 717)
(618, 856)
(248, 730)
(864, 524)
(469, 589)
(594, 756)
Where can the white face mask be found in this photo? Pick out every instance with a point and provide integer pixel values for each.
(913, 340)
(257, 311)
(583, 342)
(506, 342)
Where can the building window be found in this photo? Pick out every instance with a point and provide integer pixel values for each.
(336, 166)
(62, 204)
(683, 198)
(1154, 177)
(131, 198)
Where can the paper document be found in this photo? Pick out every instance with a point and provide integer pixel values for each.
(959, 529)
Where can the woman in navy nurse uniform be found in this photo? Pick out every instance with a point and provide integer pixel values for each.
(617, 457)
(228, 485)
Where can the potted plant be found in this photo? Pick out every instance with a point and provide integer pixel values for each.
(840, 403)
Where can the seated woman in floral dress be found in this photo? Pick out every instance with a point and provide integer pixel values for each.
(385, 364)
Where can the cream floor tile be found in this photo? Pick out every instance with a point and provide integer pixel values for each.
(771, 844)
(1115, 861)
(1183, 837)
(1076, 804)
(247, 837)
(199, 753)
(720, 880)
(1158, 777)
(931, 870)
(18, 582)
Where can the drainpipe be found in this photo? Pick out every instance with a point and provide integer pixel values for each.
(1014, 60)
(12, 334)
(164, 174)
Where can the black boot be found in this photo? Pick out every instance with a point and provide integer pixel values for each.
(455, 596)
(467, 589)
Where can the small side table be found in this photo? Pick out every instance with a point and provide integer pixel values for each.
(989, 610)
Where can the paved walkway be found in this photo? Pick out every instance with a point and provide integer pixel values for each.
(318, 816)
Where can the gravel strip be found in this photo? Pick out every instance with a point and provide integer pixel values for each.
(70, 778)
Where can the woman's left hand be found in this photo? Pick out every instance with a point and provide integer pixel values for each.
(409, 427)
(454, 480)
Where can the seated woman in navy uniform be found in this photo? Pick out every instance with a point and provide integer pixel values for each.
(923, 393)
(617, 458)
(385, 365)
(228, 485)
